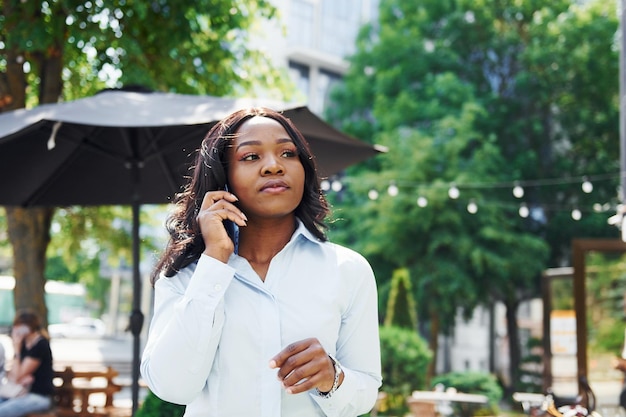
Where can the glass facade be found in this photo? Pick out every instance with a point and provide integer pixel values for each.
(320, 35)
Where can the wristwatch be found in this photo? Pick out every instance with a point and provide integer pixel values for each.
(338, 372)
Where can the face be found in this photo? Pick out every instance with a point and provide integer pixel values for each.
(265, 172)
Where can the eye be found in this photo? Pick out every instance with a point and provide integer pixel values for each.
(249, 157)
(289, 153)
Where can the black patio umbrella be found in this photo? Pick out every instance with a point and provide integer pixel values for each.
(130, 148)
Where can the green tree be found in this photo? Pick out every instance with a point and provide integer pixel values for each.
(70, 49)
(473, 93)
(401, 308)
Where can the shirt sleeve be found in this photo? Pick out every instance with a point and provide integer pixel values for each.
(185, 330)
(358, 345)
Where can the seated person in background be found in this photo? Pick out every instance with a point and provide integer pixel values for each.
(31, 367)
(2, 359)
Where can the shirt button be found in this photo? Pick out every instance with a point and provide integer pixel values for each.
(217, 287)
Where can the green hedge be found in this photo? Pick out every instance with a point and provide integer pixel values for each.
(405, 357)
(153, 406)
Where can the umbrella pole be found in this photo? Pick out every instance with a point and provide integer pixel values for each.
(136, 316)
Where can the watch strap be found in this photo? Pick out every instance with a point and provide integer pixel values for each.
(338, 372)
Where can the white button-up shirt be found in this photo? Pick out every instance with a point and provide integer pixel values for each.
(216, 326)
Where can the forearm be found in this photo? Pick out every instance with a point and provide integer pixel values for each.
(184, 334)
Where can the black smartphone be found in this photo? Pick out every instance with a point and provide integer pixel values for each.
(232, 229)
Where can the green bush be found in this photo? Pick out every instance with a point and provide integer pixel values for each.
(153, 406)
(474, 383)
(405, 357)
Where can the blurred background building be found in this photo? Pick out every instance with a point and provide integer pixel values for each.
(313, 40)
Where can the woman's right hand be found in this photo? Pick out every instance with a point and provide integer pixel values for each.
(218, 206)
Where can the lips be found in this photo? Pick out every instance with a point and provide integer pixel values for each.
(274, 185)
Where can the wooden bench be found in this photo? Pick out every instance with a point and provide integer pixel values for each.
(73, 389)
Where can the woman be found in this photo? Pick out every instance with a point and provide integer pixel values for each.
(255, 312)
(31, 368)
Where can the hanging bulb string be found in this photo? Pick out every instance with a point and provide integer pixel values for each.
(582, 179)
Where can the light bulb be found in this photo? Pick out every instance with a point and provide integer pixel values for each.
(523, 210)
(472, 208)
(518, 191)
(576, 214)
(392, 190)
(325, 185)
(373, 194)
(587, 186)
(453, 192)
(336, 186)
(422, 201)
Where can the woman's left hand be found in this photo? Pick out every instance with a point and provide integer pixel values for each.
(304, 365)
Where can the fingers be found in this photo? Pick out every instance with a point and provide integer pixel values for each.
(304, 365)
(223, 203)
(218, 206)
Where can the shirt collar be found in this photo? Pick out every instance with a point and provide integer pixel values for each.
(301, 230)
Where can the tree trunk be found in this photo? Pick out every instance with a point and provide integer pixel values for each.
(50, 74)
(433, 344)
(29, 228)
(13, 80)
(29, 234)
(514, 344)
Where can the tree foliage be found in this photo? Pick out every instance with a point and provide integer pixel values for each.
(193, 47)
(479, 94)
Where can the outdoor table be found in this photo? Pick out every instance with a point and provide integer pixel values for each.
(449, 396)
(530, 401)
(83, 390)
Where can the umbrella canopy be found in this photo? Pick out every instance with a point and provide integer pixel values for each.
(129, 148)
(83, 152)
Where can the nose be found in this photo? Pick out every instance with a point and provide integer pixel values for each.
(272, 166)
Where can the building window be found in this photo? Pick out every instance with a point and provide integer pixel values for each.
(327, 80)
(341, 21)
(301, 24)
(299, 73)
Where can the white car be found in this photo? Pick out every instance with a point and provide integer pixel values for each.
(80, 327)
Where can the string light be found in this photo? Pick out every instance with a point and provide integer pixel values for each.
(392, 190)
(472, 208)
(523, 210)
(518, 188)
(454, 192)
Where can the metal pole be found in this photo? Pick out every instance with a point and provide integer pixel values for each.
(136, 317)
(622, 95)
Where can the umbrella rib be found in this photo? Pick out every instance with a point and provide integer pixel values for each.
(157, 153)
(93, 146)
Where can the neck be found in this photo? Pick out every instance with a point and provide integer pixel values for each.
(31, 338)
(260, 242)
